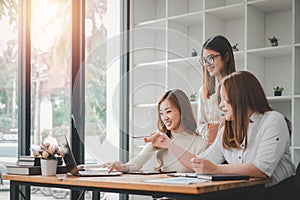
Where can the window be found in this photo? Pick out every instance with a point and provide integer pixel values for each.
(51, 26)
(8, 83)
(102, 38)
(50, 64)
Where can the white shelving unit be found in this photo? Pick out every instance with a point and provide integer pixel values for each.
(164, 32)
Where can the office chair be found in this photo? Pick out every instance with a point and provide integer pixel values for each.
(297, 177)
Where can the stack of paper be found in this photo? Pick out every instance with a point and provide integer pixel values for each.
(177, 180)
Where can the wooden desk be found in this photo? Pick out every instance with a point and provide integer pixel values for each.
(133, 184)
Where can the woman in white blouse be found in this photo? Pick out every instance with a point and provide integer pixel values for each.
(217, 61)
(254, 140)
(177, 122)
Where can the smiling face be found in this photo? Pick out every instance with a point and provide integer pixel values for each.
(217, 67)
(170, 116)
(225, 105)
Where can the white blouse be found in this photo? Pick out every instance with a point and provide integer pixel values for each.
(208, 112)
(192, 143)
(267, 148)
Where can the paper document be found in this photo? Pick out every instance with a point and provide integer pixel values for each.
(177, 180)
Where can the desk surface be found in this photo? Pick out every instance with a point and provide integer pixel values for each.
(135, 182)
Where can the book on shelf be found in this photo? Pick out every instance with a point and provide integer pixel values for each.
(29, 161)
(34, 161)
(27, 158)
(32, 170)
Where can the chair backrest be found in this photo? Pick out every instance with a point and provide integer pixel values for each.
(297, 176)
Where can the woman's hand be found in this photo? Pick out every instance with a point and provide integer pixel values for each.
(203, 166)
(116, 165)
(159, 140)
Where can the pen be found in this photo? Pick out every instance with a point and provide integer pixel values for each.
(205, 177)
(140, 136)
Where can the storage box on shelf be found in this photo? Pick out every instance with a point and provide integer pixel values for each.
(179, 26)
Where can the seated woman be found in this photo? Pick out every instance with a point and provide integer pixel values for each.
(175, 121)
(254, 140)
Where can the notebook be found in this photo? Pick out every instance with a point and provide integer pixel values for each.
(223, 177)
(71, 163)
(212, 177)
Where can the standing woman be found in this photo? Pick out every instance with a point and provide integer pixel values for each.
(218, 61)
(254, 140)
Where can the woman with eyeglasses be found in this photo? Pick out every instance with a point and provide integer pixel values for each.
(217, 61)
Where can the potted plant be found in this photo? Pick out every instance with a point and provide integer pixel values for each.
(278, 90)
(274, 41)
(194, 52)
(193, 96)
(235, 48)
(49, 155)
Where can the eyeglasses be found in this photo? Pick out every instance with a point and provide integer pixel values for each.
(209, 60)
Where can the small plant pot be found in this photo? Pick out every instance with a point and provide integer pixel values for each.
(194, 54)
(193, 97)
(48, 167)
(274, 44)
(235, 49)
(277, 93)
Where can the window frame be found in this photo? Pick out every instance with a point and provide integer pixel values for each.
(77, 115)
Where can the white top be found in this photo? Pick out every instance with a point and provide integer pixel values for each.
(208, 112)
(268, 147)
(189, 142)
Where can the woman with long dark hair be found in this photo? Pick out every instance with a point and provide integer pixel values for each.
(217, 61)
